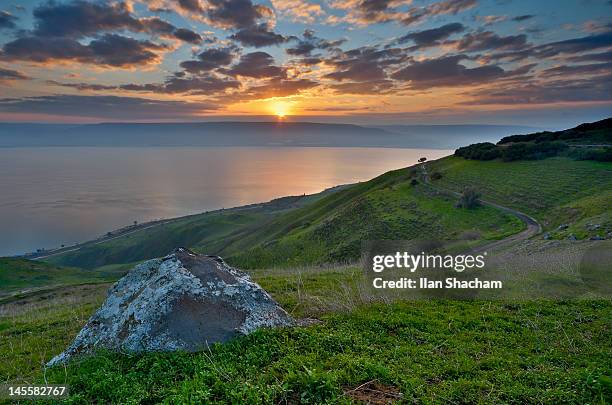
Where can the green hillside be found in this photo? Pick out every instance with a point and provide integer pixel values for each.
(540, 188)
(20, 274)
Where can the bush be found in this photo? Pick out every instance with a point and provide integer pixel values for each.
(600, 155)
(479, 151)
(527, 138)
(436, 176)
(532, 151)
(414, 182)
(469, 199)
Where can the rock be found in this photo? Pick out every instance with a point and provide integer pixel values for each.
(572, 237)
(547, 236)
(562, 227)
(183, 301)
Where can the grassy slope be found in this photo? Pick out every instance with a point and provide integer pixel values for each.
(18, 274)
(188, 231)
(328, 229)
(430, 351)
(332, 229)
(541, 188)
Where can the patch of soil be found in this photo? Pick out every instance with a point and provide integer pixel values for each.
(374, 393)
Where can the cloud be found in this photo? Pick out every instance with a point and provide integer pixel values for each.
(523, 17)
(447, 71)
(280, 88)
(9, 75)
(196, 85)
(364, 64)
(303, 48)
(558, 91)
(258, 65)
(567, 47)
(190, 5)
(575, 45)
(432, 37)
(372, 87)
(79, 19)
(365, 12)
(439, 8)
(486, 40)
(298, 10)
(591, 69)
(208, 60)
(105, 107)
(188, 36)
(110, 50)
(491, 19)
(239, 14)
(592, 57)
(258, 36)
(311, 42)
(7, 20)
(82, 86)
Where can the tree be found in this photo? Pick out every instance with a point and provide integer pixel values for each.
(469, 199)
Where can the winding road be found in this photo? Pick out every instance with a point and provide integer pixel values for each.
(533, 227)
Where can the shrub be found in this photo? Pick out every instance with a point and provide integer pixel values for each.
(414, 182)
(600, 155)
(532, 151)
(436, 176)
(469, 199)
(479, 151)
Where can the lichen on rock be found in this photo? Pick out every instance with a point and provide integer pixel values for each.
(184, 301)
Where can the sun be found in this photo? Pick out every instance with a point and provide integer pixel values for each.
(280, 108)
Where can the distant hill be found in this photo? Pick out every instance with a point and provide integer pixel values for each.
(249, 134)
(589, 141)
(599, 132)
(453, 136)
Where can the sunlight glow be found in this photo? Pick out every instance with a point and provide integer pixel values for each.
(280, 108)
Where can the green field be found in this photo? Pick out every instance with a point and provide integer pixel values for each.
(536, 187)
(19, 274)
(427, 351)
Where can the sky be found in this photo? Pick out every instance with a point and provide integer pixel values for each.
(542, 63)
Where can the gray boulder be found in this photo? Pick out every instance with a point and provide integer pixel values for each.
(183, 301)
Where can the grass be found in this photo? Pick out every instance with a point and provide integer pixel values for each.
(20, 274)
(536, 187)
(425, 351)
(35, 328)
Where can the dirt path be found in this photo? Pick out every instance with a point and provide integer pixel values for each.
(533, 227)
